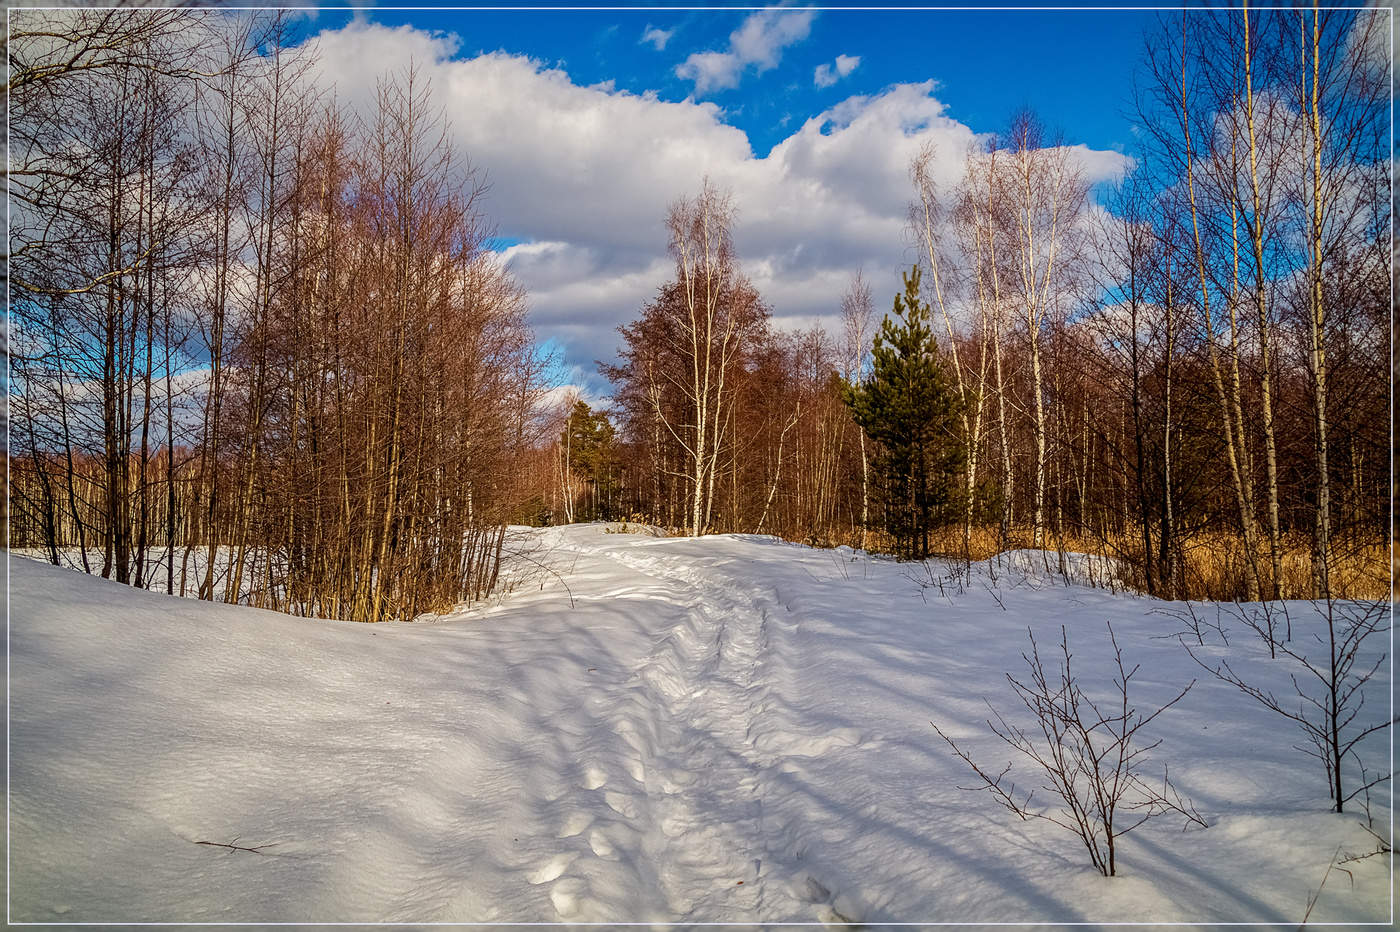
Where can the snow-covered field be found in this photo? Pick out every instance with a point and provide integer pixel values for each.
(724, 729)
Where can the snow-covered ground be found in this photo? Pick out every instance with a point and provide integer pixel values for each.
(724, 729)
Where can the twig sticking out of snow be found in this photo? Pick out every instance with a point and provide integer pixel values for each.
(1312, 900)
(1382, 847)
(234, 846)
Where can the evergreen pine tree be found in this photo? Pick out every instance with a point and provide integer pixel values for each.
(591, 440)
(909, 408)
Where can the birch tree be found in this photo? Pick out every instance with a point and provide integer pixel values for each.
(1044, 192)
(858, 321)
(717, 309)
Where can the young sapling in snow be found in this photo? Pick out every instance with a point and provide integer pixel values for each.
(1090, 755)
(1330, 693)
(1196, 625)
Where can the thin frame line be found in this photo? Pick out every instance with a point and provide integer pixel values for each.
(1183, 8)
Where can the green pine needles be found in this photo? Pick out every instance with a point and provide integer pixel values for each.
(909, 408)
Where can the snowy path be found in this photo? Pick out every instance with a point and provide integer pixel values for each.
(727, 729)
(696, 753)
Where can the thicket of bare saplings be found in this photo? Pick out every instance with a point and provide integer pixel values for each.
(1189, 373)
(260, 350)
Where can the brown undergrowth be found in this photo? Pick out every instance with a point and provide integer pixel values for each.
(1209, 565)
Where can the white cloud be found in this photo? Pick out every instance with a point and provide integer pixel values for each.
(556, 401)
(656, 36)
(827, 75)
(582, 177)
(758, 44)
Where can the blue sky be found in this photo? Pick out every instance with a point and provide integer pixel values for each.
(1072, 67)
(588, 123)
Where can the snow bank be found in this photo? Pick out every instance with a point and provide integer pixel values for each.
(723, 729)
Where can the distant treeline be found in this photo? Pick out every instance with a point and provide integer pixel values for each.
(1190, 373)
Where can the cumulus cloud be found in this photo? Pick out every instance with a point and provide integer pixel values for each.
(827, 75)
(756, 46)
(656, 36)
(581, 177)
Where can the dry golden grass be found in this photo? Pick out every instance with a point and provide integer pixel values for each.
(1211, 565)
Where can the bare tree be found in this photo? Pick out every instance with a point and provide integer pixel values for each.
(983, 208)
(1045, 192)
(1341, 94)
(57, 59)
(927, 217)
(304, 313)
(713, 297)
(858, 322)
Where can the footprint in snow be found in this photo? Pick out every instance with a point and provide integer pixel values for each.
(814, 891)
(552, 869)
(566, 896)
(601, 846)
(623, 805)
(575, 824)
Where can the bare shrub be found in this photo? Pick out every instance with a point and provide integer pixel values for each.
(1089, 755)
(1196, 626)
(1331, 672)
